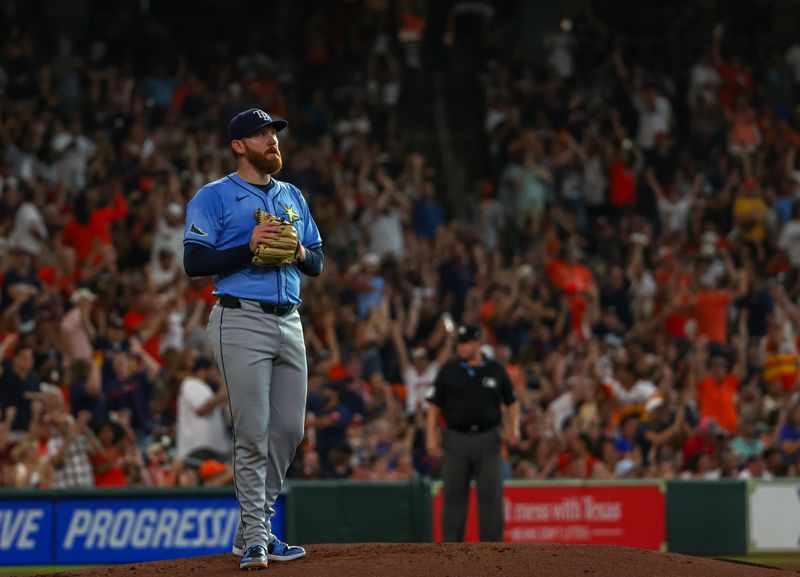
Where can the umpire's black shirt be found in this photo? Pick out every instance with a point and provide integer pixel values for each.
(470, 397)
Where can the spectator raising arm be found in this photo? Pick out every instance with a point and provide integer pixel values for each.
(6, 345)
(5, 425)
(400, 347)
(82, 427)
(151, 366)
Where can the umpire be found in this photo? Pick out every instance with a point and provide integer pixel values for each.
(468, 393)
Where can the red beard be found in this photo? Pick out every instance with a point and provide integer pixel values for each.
(263, 163)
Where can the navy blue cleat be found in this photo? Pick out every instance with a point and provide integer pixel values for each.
(254, 558)
(280, 551)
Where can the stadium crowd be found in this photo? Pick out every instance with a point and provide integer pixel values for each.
(631, 252)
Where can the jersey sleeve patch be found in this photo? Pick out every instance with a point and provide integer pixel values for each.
(194, 229)
(203, 218)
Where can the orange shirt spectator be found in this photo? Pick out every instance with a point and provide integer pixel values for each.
(622, 186)
(107, 464)
(577, 309)
(702, 441)
(135, 320)
(81, 236)
(736, 80)
(711, 314)
(108, 471)
(517, 377)
(744, 128)
(564, 273)
(717, 399)
(779, 356)
(201, 289)
(679, 282)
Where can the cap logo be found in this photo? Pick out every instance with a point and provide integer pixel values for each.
(262, 115)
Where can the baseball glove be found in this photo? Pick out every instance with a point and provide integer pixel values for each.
(279, 252)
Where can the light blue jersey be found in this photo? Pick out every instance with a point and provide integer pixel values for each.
(220, 216)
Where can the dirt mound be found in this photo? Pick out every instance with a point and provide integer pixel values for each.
(454, 560)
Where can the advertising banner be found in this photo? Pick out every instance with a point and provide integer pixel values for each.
(133, 530)
(90, 530)
(26, 535)
(627, 515)
(774, 513)
(122, 531)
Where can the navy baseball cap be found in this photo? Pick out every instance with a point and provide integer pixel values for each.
(467, 333)
(249, 121)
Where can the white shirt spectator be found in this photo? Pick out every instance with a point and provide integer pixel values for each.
(704, 83)
(198, 431)
(77, 342)
(789, 241)
(169, 238)
(492, 220)
(793, 58)
(173, 336)
(652, 122)
(76, 470)
(165, 276)
(562, 408)
(710, 275)
(644, 290)
(494, 118)
(417, 385)
(747, 475)
(75, 152)
(636, 395)
(560, 56)
(349, 129)
(28, 229)
(385, 233)
(712, 475)
(595, 180)
(675, 214)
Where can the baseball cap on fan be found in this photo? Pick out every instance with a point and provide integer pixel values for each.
(467, 333)
(249, 121)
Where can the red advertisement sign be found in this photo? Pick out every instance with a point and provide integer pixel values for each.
(627, 515)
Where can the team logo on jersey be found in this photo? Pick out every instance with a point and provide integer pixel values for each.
(194, 229)
(291, 215)
(489, 383)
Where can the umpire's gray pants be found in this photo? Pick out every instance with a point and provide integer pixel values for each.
(468, 456)
(262, 358)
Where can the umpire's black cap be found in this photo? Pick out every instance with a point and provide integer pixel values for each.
(247, 122)
(467, 333)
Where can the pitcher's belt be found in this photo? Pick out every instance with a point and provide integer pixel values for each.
(230, 302)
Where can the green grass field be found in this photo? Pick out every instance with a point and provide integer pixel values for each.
(784, 561)
(28, 569)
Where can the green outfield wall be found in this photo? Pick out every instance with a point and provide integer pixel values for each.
(358, 511)
(707, 517)
(725, 517)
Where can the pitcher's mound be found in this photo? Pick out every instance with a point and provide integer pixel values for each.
(453, 560)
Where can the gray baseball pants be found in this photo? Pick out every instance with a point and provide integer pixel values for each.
(468, 456)
(262, 358)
